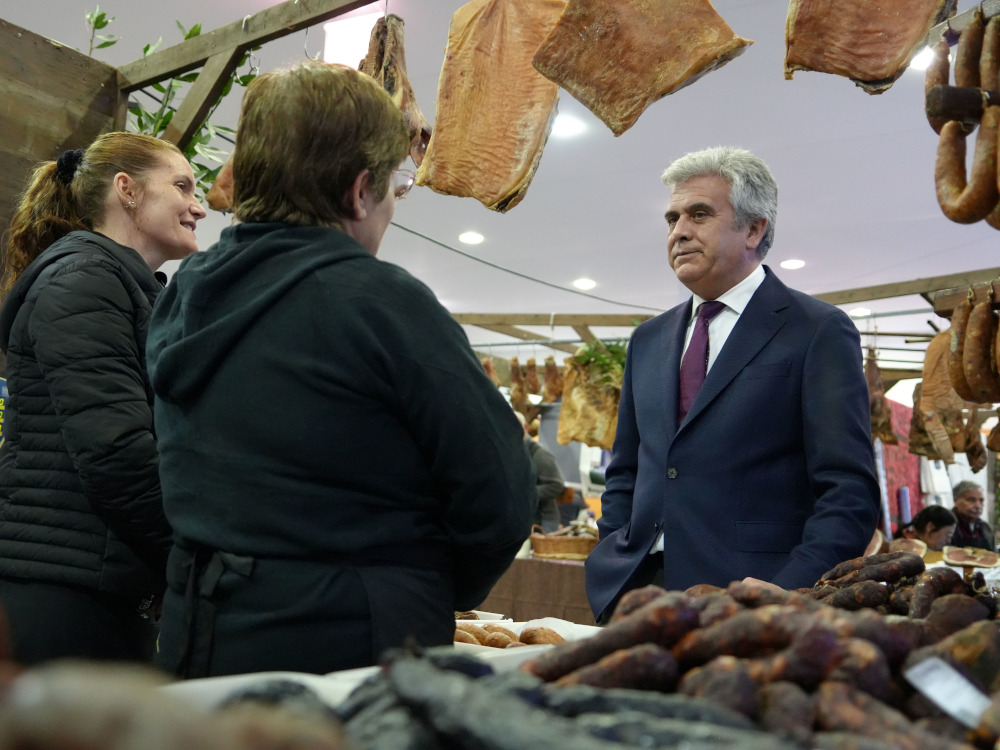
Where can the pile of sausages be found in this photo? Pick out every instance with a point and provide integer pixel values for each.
(822, 665)
(977, 64)
(973, 366)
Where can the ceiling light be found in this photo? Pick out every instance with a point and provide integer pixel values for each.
(471, 238)
(791, 265)
(567, 126)
(860, 312)
(347, 39)
(584, 283)
(923, 59)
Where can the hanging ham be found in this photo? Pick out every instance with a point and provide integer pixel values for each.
(878, 405)
(494, 110)
(619, 56)
(871, 43)
(386, 63)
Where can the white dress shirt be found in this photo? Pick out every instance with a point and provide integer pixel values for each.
(719, 328)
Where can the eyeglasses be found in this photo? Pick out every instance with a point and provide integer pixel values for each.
(402, 181)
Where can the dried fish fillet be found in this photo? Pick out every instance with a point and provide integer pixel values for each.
(870, 43)
(386, 63)
(619, 56)
(494, 111)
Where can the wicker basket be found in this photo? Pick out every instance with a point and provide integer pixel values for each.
(560, 547)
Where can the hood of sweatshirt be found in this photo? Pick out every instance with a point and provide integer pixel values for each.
(218, 295)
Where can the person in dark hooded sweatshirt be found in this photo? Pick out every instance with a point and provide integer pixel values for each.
(83, 537)
(339, 471)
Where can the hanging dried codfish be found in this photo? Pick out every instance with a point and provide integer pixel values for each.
(494, 110)
(878, 404)
(870, 43)
(386, 63)
(617, 57)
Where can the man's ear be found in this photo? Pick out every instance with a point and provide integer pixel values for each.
(355, 198)
(756, 233)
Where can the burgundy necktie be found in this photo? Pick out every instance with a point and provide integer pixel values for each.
(694, 366)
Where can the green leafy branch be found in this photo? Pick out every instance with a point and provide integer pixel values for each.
(605, 362)
(96, 21)
(205, 159)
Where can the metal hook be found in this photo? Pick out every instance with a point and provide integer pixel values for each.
(305, 48)
(245, 19)
(992, 297)
(971, 295)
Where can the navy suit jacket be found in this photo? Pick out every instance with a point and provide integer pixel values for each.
(772, 473)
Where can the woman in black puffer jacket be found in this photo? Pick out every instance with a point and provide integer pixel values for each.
(83, 537)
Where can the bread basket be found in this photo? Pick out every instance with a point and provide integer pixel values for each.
(560, 546)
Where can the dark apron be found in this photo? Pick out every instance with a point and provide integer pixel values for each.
(201, 569)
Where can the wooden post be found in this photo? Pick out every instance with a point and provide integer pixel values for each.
(520, 333)
(204, 93)
(259, 28)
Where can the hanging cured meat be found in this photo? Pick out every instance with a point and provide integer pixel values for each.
(220, 197)
(619, 56)
(938, 405)
(553, 381)
(491, 370)
(531, 377)
(870, 43)
(518, 391)
(494, 110)
(878, 405)
(386, 63)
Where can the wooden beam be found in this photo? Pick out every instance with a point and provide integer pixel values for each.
(585, 333)
(950, 30)
(528, 336)
(546, 319)
(903, 288)
(259, 28)
(900, 374)
(204, 93)
(946, 300)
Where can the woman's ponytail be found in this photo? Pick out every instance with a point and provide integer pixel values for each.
(46, 212)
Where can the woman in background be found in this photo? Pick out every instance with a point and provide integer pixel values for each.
(934, 526)
(83, 537)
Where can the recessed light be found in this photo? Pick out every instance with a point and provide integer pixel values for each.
(860, 312)
(567, 126)
(792, 264)
(584, 283)
(923, 59)
(471, 238)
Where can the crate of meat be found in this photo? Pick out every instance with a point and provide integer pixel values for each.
(566, 544)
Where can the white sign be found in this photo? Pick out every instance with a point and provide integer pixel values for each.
(949, 691)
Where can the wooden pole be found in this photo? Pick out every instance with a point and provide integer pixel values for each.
(204, 93)
(519, 333)
(256, 29)
(904, 288)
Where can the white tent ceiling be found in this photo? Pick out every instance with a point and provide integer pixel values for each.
(855, 173)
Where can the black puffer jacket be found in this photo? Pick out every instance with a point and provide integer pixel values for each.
(80, 495)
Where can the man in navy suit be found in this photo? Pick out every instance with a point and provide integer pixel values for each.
(744, 443)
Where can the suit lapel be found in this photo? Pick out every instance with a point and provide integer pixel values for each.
(671, 345)
(756, 326)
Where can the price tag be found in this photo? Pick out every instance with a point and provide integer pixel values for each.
(949, 691)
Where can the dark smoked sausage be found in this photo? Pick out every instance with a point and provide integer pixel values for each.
(977, 355)
(956, 350)
(961, 201)
(938, 73)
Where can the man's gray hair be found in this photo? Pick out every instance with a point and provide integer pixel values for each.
(753, 192)
(964, 486)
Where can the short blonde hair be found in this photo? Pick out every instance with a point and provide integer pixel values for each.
(305, 134)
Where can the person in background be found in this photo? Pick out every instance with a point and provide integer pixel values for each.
(933, 526)
(549, 482)
(83, 536)
(339, 471)
(971, 530)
